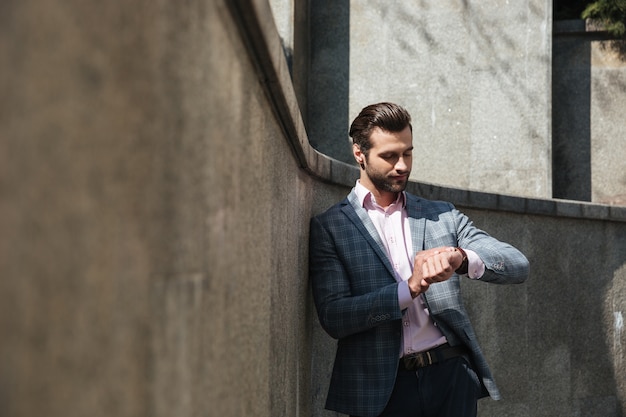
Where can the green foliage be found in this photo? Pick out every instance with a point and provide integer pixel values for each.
(610, 13)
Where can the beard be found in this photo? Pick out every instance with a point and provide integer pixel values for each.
(385, 183)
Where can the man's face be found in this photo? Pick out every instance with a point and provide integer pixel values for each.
(388, 164)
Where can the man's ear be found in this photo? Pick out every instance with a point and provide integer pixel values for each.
(358, 155)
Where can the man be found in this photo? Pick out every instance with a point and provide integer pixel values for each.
(385, 267)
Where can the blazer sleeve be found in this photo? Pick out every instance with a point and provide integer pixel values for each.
(504, 264)
(345, 305)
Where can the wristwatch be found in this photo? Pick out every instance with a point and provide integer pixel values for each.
(462, 270)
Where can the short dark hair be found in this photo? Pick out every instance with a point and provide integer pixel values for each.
(389, 117)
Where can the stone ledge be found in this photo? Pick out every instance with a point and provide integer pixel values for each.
(266, 52)
(589, 29)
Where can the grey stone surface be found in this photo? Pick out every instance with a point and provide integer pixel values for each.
(476, 81)
(608, 100)
(143, 179)
(283, 13)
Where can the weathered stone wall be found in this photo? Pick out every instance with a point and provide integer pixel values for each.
(153, 218)
(475, 75)
(156, 185)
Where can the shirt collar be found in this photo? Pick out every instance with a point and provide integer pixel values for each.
(364, 195)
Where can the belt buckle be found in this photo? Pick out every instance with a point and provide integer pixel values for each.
(418, 360)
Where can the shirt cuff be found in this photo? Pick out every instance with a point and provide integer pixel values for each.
(475, 265)
(404, 295)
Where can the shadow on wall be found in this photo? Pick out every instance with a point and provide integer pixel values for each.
(586, 82)
(571, 109)
(329, 79)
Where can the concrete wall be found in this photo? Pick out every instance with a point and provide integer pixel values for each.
(153, 219)
(475, 75)
(156, 184)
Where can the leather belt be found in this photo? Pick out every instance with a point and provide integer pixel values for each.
(439, 354)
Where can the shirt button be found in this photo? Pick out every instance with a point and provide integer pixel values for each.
(406, 324)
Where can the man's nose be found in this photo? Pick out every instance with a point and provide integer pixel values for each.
(401, 165)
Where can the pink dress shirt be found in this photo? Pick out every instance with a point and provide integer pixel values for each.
(419, 332)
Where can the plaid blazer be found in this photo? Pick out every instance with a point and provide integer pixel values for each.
(356, 295)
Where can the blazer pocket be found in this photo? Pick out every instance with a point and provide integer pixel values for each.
(469, 338)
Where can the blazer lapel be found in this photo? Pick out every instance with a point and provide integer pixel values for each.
(358, 215)
(417, 223)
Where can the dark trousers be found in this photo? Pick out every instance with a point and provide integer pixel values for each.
(447, 389)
